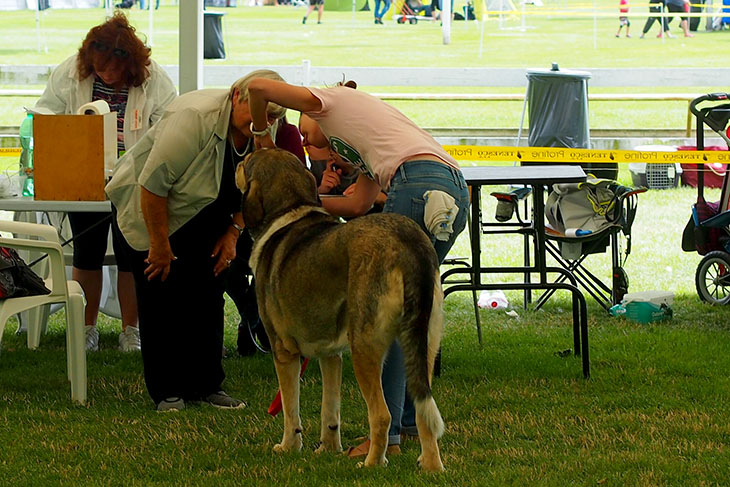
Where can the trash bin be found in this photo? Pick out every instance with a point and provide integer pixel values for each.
(213, 47)
(558, 113)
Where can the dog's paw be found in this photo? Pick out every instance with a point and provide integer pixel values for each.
(287, 446)
(378, 461)
(325, 446)
(432, 465)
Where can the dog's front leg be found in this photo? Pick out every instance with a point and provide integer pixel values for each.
(287, 371)
(329, 437)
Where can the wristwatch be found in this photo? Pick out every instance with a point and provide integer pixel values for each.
(237, 227)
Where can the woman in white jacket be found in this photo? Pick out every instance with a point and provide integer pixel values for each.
(113, 65)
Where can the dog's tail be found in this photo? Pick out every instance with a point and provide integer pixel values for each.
(420, 338)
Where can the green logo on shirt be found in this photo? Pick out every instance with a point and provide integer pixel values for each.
(350, 155)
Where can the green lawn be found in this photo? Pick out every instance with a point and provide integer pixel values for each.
(654, 413)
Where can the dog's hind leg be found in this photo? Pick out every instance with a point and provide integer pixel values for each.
(329, 438)
(367, 371)
(287, 371)
(428, 419)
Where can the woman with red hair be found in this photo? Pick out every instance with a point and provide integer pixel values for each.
(113, 65)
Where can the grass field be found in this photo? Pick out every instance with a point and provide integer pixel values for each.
(655, 411)
(274, 36)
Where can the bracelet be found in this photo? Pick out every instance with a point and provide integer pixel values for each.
(237, 227)
(259, 133)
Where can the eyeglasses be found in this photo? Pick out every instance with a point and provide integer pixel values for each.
(116, 52)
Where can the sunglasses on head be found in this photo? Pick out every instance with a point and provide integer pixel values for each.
(116, 52)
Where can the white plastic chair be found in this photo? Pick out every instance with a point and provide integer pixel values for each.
(43, 239)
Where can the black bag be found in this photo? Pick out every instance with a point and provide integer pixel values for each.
(16, 278)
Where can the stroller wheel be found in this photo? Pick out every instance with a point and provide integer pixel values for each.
(713, 278)
(401, 20)
(412, 21)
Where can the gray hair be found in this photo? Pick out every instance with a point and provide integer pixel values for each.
(241, 85)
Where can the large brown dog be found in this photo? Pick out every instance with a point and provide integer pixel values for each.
(322, 285)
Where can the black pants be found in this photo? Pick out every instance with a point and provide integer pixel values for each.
(650, 21)
(181, 319)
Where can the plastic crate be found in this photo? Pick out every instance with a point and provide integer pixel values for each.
(655, 176)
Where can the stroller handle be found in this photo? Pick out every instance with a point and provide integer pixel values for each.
(708, 97)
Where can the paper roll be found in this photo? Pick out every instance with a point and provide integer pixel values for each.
(98, 107)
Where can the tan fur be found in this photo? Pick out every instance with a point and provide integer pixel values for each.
(323, 287)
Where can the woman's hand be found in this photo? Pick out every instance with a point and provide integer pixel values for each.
(225, 250)
(330, 178)
(159, 258)
(263, 141)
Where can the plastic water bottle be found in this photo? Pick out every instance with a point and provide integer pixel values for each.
(26, 155)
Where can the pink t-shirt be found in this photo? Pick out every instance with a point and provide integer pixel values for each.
(624, 6)
(370, 134)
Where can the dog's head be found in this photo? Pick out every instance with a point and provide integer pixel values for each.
(273, 181)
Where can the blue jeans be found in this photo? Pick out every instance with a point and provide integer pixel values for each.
(405, 196)
(386, 6)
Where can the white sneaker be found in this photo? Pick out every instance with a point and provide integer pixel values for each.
(129, 340)
(92, 338)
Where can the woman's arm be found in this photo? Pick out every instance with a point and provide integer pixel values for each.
(159, 257)
(359, 200)
(262, 91)
(165, 92)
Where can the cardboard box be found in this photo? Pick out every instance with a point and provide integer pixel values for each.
(73, 155)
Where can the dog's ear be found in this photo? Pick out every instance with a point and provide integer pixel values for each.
(253, 205)
(241, 174)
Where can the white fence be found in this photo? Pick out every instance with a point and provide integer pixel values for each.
(306, 74)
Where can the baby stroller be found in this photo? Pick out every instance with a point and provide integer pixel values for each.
(708, 230)
(411, 11)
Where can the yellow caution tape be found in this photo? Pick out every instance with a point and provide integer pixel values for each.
(560, 154)
(555, 154)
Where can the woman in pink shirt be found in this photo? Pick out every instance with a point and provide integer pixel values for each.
(394, 156)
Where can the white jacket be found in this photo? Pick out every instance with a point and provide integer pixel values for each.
(65, 93)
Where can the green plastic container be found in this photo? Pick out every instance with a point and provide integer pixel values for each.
(647, 312)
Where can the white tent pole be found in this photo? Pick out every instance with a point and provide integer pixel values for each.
(191, 45)
(481, 36)
(523, 27)
(595, 27)
(38, 24)
(151, 28)
(446, 21)
(109, 8)
(354, 6)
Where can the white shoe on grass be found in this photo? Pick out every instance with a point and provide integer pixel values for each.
(129, 340)
(92, 338)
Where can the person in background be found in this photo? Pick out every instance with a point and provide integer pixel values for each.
(680, 6)
(241, 289)
(113, 65)
(419, 8)
(379, 12)
(319, 5)
(623, 18)
(656, 7)
(179, 210)
(394, 156)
